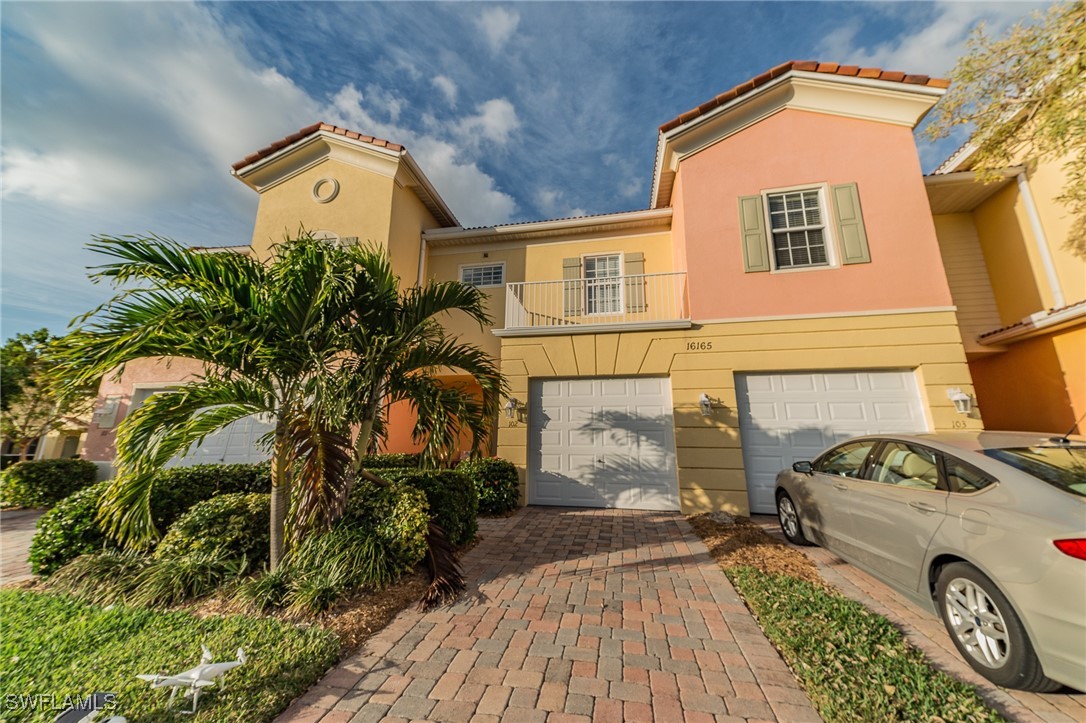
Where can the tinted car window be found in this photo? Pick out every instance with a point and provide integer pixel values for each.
(963, 477)
(846, 460)
(906, 465)
(1063, 467)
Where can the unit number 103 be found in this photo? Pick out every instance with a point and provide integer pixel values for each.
(699, 345)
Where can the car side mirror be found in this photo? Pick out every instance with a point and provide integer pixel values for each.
(803, 467)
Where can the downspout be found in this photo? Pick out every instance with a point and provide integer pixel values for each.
(1042, 241)
(422, 260)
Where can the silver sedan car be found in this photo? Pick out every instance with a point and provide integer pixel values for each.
(988, 529)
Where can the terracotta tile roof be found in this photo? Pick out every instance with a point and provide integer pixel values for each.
(812, 66)
(310, 130)
(1028, 320)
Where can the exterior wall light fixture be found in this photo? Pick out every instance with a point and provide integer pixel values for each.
(511, 407)
(963, 403)
(706, 404)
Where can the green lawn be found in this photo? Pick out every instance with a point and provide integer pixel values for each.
(854, 664)
(56, 645)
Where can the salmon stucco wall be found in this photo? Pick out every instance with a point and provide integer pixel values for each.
(100, 443)
(800, 148)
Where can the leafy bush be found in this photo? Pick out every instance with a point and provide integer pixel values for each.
(397, 460)
(102, 578)
(45, 482)
(105, 648)
(70, 529)
(496, 481)
(397, 516)
(173, 580)
(855, 665)
(454, 503)
(236, 525)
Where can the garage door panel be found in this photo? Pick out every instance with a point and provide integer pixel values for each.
(793, 416)
(616, 448)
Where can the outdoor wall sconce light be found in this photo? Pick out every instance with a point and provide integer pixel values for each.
(963, 403)
(511, 407)
(706, 404)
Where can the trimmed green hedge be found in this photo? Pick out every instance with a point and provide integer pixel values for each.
(496, 481)
(393, 460)
(236, 525)
(45, 482)
(54, 645)
(454, 503)
(397, 516)
(70, 528)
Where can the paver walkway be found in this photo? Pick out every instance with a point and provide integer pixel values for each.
(571, 615)
(925, 630)
(16, 531)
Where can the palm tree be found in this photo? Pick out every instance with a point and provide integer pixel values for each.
(320, 339)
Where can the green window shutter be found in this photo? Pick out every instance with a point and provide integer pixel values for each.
(850, 224)
(755, 240)
(572, 287)
(635, 284)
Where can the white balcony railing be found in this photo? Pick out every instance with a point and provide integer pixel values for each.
(586, 305)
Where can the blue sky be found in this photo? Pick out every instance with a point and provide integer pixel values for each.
(124, 118)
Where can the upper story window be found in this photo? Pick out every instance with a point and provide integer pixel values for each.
(483, 275)
(603, 288)
(798, 228)
(816, 227)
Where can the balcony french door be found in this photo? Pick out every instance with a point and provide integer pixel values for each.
(603, 285)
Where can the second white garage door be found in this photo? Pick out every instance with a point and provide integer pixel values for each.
(602, 442)
(788, 417)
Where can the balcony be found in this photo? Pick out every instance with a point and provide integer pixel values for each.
(582, 306)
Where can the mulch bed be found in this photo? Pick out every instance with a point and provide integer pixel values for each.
(743, 543)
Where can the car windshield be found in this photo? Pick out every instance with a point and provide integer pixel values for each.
(1063, 467)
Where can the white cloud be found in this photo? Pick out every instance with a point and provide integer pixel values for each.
(553, 203)
(932, 48)
(495, 120)
(447, 87)
(498, 25)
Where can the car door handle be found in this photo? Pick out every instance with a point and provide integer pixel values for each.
(922, 506)
(843, 488)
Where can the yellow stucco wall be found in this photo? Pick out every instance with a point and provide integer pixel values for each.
(534, 261)
(709, 453)
(1047, 182)
(1050, 395)
(362, 208)
(1014, 265)
(970, 285)
(409, 219)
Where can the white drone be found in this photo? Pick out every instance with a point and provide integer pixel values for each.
(195, 679)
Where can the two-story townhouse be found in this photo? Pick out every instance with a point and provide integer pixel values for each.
(1020, 290)
(783, 290)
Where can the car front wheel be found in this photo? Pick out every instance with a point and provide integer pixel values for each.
(788, 516)
(986, 630)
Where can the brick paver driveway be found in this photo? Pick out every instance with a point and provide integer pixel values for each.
(571, 615)
(17, 528)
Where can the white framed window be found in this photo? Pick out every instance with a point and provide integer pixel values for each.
(798, 228)
(603, 284)
(483, 275)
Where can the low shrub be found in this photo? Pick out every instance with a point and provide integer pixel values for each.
(236, 525)
(396, 460)
(70, 528)
(54, 645)
(174, 580)
(102, 578)
(45, 482)
(496, 481)
(68, 531)
(454, 503)
(397, 515)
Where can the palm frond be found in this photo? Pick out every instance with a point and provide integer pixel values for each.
(320, 457)
(165, 425)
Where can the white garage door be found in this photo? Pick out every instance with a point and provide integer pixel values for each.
(784, 418)
(602, 443)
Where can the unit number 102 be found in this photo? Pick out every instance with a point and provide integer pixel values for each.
(699, 345)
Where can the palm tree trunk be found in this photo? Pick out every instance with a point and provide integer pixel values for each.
(361, 444)
(280, 495)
